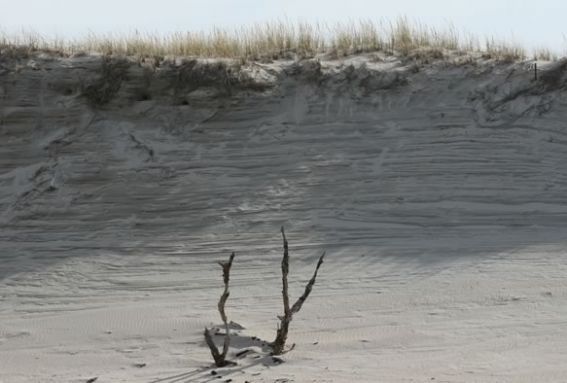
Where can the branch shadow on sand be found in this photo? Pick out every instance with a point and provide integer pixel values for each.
(249, 354)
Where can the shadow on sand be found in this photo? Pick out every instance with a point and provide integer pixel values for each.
(247, 353)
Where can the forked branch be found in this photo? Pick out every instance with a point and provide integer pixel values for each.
(220, 358)
(278, 345)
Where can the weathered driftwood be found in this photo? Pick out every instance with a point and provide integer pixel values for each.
(278, 345)
(220, 358)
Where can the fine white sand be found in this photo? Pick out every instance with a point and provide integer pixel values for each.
(440, 196)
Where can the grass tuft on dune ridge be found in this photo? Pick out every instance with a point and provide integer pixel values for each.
(281, 39)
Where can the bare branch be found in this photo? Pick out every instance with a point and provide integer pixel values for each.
(226, 278)
(220, 358)
(297, 305)
(278, 345)
(285, 272)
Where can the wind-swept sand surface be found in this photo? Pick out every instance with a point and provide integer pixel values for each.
(438, 191)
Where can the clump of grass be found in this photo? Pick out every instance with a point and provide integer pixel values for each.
(277, 40)
(503, 51)
(545, 54)
(348, 39)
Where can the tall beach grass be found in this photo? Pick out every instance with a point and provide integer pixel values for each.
(281, 39)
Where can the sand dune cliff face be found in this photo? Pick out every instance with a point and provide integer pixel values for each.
(439, 193)
(106, 153)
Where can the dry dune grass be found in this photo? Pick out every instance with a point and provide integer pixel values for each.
(280, 39)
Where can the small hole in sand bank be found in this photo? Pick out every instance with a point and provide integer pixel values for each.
(144, 96)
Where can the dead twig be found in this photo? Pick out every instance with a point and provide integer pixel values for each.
(278, 345)
(220, 358)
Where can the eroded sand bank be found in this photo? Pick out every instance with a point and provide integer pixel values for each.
(439, 192)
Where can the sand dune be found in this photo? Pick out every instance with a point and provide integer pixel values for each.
(439, 193)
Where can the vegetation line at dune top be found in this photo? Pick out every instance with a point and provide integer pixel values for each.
(280, 40)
